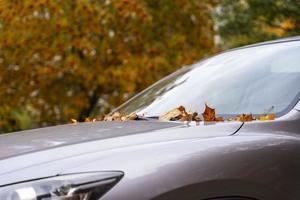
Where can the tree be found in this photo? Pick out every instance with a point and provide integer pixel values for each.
(74, 58)
(248, 21)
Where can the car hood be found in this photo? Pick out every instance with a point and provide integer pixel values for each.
(17, 143)
(49, 151)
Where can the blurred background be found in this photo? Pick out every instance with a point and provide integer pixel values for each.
(63, 59)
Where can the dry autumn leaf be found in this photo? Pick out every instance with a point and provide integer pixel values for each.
(180, 114)
(209, 115)
(74, 121)
(111, 117)
(267, 117)
(244, 118)
(175, 114)
(88, 119)
(132, 116)
(120, 117)
(190, 117)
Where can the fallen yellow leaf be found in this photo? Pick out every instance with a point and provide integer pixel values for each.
(244, 118)
(74, 121)
(267, 117)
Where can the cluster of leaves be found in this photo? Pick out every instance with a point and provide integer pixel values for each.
(78, 58)
(209, 115)
(250, 117)
(180, 114)
(117, 116)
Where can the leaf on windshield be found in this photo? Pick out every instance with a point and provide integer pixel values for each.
(209, 115)
(267, 117)
(180, 114)
(243, 118)
(173, 115)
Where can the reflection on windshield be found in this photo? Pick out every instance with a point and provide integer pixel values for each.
(250, 80)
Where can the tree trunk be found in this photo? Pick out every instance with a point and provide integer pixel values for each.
(85, 112)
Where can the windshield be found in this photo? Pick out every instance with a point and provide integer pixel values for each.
(257, 80)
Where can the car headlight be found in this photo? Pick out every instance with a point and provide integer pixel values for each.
(83, 186)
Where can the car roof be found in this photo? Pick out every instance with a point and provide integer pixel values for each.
(281, 40)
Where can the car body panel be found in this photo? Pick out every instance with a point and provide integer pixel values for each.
(254, 163)
(40, 139)
(55, 160)
(209, 167)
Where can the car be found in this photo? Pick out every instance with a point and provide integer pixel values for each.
(153, 159)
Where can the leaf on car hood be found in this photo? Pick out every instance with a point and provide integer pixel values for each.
(243, 118)
(88, 119)
(110, 117)
(267, 117)
(120, 117)
(174, 114)
(74, 121)
(180, 114)
(209, 115)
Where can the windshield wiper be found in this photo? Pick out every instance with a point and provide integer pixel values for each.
(147, 118)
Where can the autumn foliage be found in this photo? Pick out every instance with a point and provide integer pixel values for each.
(243, 22)
(77, 58)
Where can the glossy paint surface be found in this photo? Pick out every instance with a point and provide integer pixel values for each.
(54, 160)
(192, 162)
(166, 160)
(41, 139)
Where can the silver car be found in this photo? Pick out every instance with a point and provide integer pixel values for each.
(150, 159)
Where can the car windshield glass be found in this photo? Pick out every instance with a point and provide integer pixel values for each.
(260, 79)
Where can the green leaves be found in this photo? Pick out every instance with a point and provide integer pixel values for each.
(248, 21)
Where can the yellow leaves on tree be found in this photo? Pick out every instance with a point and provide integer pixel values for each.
(79, 58)
(281, 29)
